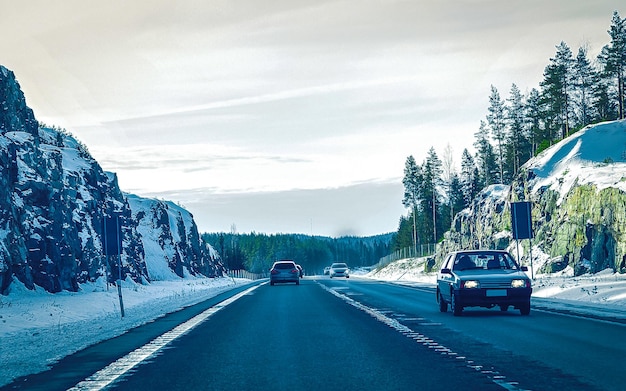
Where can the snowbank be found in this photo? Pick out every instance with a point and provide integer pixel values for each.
(38, 328)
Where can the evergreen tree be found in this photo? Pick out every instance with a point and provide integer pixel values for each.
(517, 140)
(431, 173)
(613, 59)
(486, 157)
(456, 200)
(412, 182)
(556, 87)
(533, 120)
(584, 78)
(496, 121)
(469, 178)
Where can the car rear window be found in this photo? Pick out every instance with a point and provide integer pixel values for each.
(285, 265)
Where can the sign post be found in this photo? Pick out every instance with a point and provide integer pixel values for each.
(113, 246)
(521, 221)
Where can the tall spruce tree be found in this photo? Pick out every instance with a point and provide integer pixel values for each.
(533, 121)
(517, 139)
(497, 124)
(613, 59)
(412, 182)
(486, 156)
(469, 178)
(431, 172)
(584, 78)
(556, 88)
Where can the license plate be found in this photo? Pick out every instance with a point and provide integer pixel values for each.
(496, 292)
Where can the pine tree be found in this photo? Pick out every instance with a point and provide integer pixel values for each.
(431, 173)
(613, 59)
(556, 90)
(469, 178)
(496, 121)
(517, 139)
(486, 156)
(584, 78)
(412, 182)
(533, 119)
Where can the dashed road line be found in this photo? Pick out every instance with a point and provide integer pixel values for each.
(420, 338)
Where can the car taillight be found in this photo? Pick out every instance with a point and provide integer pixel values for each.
(294, 270)
(274, 271)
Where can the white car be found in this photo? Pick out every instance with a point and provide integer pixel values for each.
(339, 270)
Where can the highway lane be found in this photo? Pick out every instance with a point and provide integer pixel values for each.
(545, 350)
(289, 337)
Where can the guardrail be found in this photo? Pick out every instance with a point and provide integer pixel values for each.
(423, 250)
(241, 273)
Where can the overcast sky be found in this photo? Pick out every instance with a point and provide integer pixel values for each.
(282, 115)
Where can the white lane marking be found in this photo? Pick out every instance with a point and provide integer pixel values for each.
(424, 340)
(115, 370)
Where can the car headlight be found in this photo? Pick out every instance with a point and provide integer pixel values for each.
(471, 284)
(519, 283)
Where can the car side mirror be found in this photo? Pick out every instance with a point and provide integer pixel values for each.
(446, 271)
(524, 268)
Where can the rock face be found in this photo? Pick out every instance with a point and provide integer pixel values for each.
(53, 200)
(171, 241)
(578, 191)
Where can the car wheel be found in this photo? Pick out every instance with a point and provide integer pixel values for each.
(454, 306)
(504, 307)
(347, 276)
(298, 282)
(524, 309)
(443, 306)
(272, 283)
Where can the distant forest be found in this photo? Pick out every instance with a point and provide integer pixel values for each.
(575, 92)
(257, 252)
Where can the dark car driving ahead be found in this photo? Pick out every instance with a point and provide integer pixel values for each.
(482, 278)
(284, 271)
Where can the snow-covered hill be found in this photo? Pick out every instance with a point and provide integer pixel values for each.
(578, 191)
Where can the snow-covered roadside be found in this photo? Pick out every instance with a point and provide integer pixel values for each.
(38, 328)
(602, 294)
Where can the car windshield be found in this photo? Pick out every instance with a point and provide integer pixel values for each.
(336, 265)
(284, 265)
(484, 260)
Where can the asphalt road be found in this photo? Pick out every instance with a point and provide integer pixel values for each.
(353, 334)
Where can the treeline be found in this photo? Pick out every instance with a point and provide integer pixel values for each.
(257, 252)
(574, 93)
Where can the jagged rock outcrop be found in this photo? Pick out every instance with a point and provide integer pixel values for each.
(578, 191)
(180, 250)
(53, 199)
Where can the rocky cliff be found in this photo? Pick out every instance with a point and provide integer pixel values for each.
(578, 191)
(53, 200)
(171, 241)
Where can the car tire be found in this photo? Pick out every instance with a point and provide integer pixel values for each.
(298, 282)
(443, 306)
(525, 309)
(347, 276)
(457, 309)
(504, 307)
(272, 283)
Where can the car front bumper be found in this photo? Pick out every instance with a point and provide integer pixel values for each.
(489, 297)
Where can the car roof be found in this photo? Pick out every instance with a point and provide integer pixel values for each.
(479, 251)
